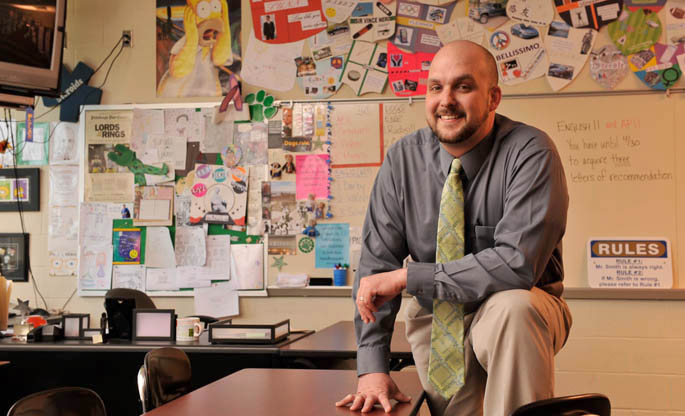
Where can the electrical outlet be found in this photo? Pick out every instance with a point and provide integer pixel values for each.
(128, 38)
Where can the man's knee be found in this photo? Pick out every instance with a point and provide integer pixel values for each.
(511, 306)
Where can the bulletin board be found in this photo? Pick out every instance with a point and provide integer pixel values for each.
(619, 160)
(113, 123)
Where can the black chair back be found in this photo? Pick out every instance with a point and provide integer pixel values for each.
(575, 405)
(119, 304)
(62, 401)
(165, 376)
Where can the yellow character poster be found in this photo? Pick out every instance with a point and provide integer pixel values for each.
(198, 47)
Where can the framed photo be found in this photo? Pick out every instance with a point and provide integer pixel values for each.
(154, 324)
(20, 190)
(14, 256)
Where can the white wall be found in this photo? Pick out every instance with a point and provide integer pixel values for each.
(630, 350)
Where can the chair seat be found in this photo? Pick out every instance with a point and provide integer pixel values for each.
(62, 401)
(164, 376)
(575, 405)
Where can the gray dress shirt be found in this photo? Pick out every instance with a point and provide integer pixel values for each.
(515, 216)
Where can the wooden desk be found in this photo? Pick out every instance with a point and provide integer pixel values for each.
(110, 369)
(268, 392)
(339, 341)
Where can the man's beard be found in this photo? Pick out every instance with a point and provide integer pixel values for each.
(464, 133)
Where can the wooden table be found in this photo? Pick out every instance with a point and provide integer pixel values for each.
(269, 392)
(339, 341)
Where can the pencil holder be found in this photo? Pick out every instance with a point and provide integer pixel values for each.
(340, 277)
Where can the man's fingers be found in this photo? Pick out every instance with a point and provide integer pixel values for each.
(401, 397)
(358, 402)
(385, 402)
(347, 399)
(369, 402)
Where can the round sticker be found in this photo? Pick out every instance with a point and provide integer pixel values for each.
(232, 155)
(330, 12)
(219, 175)
(306, 245)
(199, 190)
(133, 254)
(203, 171)
(499, 40)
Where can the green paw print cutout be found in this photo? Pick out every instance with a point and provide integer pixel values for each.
(261, 106)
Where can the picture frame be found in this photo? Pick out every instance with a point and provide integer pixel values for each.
(14, 256)
(19, 189)
(74, 324)
(154, 325)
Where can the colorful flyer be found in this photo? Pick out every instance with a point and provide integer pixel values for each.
(531, 12)
(675, 22)
(651, 5)
(461, 28)
(219, 195)
(312, 176)
(407, 72)
(336, 40)
(519, 53)
(286, 21)
(658, 66)
(127, 245)
(416, 26)
(567, 52)
(326, 80)
(635, 31)
(373, 20)
(608, 66)
(35, 152)
(366, 68)
(588, 13)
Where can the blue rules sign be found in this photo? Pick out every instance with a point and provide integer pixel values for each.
(627, 263)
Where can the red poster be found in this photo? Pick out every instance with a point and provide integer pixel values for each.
(285, 21)
(407, 72)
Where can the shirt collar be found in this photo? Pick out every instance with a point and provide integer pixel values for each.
(472, 160)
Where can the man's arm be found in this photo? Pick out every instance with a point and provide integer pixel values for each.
(519, 247)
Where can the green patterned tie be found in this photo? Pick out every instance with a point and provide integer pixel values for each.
(446, 365)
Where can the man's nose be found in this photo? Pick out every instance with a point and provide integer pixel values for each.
(447, 98)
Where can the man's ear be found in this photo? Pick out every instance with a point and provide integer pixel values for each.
(495, 97)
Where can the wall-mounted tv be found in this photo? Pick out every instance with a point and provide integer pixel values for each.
(31, 42)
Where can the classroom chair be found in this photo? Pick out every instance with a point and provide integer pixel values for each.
(62, 401)
(164, 376)
(575, 405)
(119, 305)
(142, 300)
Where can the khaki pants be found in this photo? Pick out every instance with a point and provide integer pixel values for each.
(509, 348)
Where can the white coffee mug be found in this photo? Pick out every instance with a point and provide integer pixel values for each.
(188, 329)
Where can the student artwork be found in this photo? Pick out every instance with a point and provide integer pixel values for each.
(325, 81)
(416, 26)
(608, 66)
(675, 22)
(264, 64)
(635, 31)
(250, 146)
(260, 106)
(436, 2)
(284, 218)
(336, 40)
(63, 144)
(373, 20)
(460, 28)
(183, 199)
(127, 244)
(184, 122)
(145, 122)
(219, 195)
(217, 135)
(337, 11)
(651, 5)
(143, 174)
(189, 59)
(489, 13)
(312, 176)
(658, 66)
(366, 68)
(95, 268)
(36, 151)
(592, 13)
(530, 12)
(519, 52)
(286, 21)
(7, 143)
(567, 53)
(407, 72)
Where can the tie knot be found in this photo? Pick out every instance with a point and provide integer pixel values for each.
(455, 168)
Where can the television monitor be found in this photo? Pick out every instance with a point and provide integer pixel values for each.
(31, 42)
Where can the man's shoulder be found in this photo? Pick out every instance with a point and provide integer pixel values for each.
(512, 133)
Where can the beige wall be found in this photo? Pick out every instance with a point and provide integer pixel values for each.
(630, 350)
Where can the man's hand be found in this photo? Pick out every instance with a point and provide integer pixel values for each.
(374, 388)
(377, 289)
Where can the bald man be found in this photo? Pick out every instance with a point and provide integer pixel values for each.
(510, 278)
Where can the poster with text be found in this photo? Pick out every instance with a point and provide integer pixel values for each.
(588, 13)
(407, 72)
(416, 25)
(286, 21)
(519, 53)
(373, 20)
(567, 52)
(219, 195)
